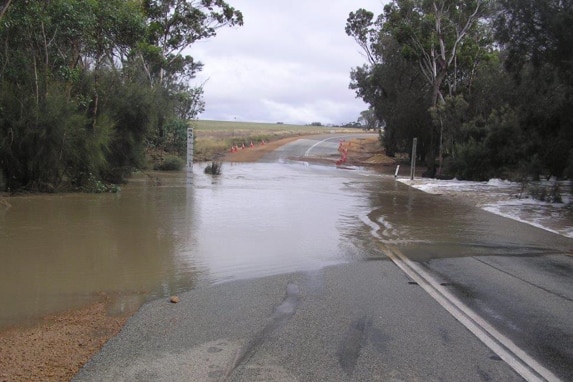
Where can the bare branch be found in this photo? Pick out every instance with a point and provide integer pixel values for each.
(4, 8)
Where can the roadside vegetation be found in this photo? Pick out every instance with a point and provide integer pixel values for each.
(486, 86)
(90, 89)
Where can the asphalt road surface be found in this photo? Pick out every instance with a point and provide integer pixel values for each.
(486, 299)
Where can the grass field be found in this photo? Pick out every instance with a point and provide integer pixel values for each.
(206, 125)
(213, 138)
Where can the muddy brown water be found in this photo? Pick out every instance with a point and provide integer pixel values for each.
(162, 236)
(166, 235)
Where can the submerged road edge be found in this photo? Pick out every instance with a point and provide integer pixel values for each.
(515, 357)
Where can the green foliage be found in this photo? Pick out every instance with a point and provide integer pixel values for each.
(471, 162)
(175, 25)
(438, 43)
(546, 40)
(174, 137)
(132, 107)
(393, 91)
(499, 99)
(495, 147)
(448, 117)
(504, 141)
(86, 86)
(538, 58)
(530, 169)
(96, 186)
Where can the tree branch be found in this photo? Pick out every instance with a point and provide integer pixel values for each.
(4, 8)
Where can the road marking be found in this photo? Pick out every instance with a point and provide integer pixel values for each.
(519, 360)
(307, 153)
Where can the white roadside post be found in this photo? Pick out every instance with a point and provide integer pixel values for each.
(189, 151)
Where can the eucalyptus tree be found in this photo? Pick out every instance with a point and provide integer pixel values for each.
(82, 82)
(173, 27)
(391, 86)
(442, 40)
(368, 119)
(434, 33)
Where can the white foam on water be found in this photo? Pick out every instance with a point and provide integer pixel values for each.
(502, 197)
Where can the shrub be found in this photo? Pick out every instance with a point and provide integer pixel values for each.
(175, 138)
(171, 163)
(96, 186)
(214, 168)
(470, 163)
(549, 194)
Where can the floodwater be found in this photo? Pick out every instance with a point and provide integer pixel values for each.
(167, 233)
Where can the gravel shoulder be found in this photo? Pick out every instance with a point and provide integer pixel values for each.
(59, 345)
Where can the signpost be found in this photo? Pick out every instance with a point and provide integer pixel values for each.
(189, 151)
(413, 165)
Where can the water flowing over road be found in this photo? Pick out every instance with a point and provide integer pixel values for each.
(290, 272)
(165, 236)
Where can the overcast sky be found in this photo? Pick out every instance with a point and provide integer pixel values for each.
(290, 62)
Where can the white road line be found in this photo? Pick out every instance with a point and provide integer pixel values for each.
(519, 360)
(307, 153)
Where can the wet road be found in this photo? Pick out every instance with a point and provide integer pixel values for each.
(363, 318)
(518, 278)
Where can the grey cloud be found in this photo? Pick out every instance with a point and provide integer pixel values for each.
(291, 62)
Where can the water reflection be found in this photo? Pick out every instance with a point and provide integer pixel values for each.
(161, 235)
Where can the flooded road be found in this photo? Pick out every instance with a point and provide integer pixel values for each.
(161, 236)
(164, 236)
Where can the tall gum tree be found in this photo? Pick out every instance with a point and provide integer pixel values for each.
(174, 25)
(432, 33)
(390, 84)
